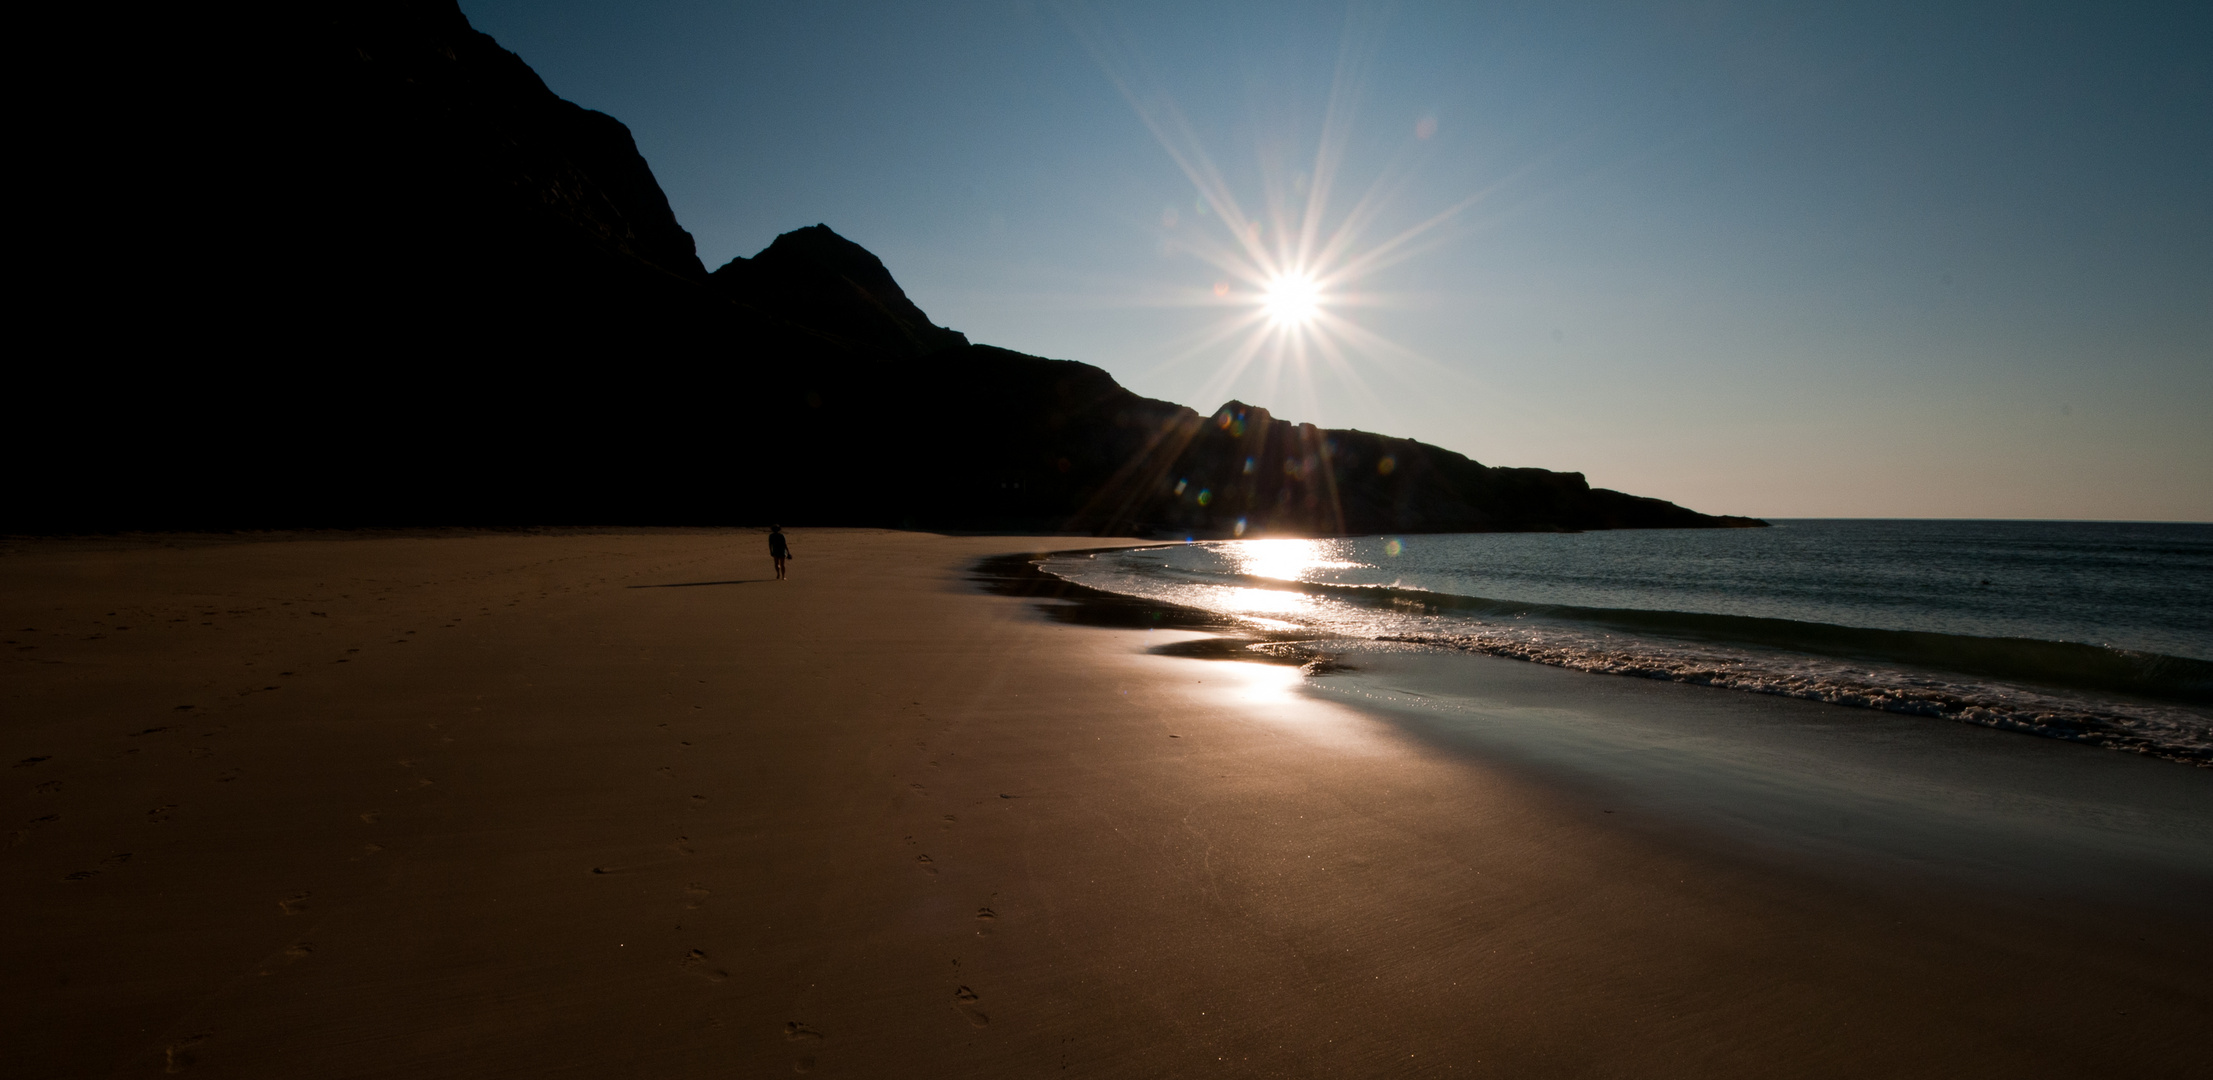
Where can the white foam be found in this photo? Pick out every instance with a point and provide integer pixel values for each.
(2144, 728)
(2170, 732)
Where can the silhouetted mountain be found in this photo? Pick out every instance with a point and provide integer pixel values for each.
(822, 280)
(409, 285)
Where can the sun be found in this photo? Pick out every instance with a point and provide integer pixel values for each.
(1291, 274)
(1291, 300)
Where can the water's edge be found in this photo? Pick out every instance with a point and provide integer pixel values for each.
(1888, 670)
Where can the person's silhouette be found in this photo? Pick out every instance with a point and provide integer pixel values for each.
(779, 549)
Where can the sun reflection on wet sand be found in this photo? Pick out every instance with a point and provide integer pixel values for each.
(1276, 695)
(1275, 685)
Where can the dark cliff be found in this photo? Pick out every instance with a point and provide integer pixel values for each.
(824, 281)
(405, 283)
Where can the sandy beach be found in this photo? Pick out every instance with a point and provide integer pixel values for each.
(617, 804)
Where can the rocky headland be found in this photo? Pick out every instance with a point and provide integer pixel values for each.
(416, 287)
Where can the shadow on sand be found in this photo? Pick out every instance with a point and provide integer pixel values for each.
(696, 584)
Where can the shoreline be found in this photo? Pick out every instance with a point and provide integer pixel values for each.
(1829, 791)
(2147, 704)
(1725, 774)
(875, 819)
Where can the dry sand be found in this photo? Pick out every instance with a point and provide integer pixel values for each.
(485, 806)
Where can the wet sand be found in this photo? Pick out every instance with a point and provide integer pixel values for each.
(616, 804)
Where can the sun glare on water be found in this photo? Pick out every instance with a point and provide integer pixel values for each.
(1285, 559)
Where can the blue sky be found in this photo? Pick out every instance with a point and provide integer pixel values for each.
(1845, 260)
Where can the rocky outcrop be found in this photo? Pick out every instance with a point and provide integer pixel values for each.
(401, 282)
(1062, 446)
(1242, 470)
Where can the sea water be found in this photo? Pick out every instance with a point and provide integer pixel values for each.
(1839, 694)
(2094, 632)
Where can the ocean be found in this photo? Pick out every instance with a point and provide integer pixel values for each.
(2094, 632)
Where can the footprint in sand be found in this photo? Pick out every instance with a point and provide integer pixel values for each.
(23, 835)
(801, 1033)
(294, 903)
(965, 1003)
(371, 818)
(300, 950)
(177, 1056)
(109, 863)
(161, 813)
(682, 846)
(695, 895)
(925, 860)
(695, 962)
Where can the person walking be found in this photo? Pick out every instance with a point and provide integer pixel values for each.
(779, 549)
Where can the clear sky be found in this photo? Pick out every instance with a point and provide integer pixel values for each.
(1911, 260)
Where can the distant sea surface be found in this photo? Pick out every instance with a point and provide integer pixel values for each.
(2096, 632)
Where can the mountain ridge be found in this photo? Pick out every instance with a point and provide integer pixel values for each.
(456, 298)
